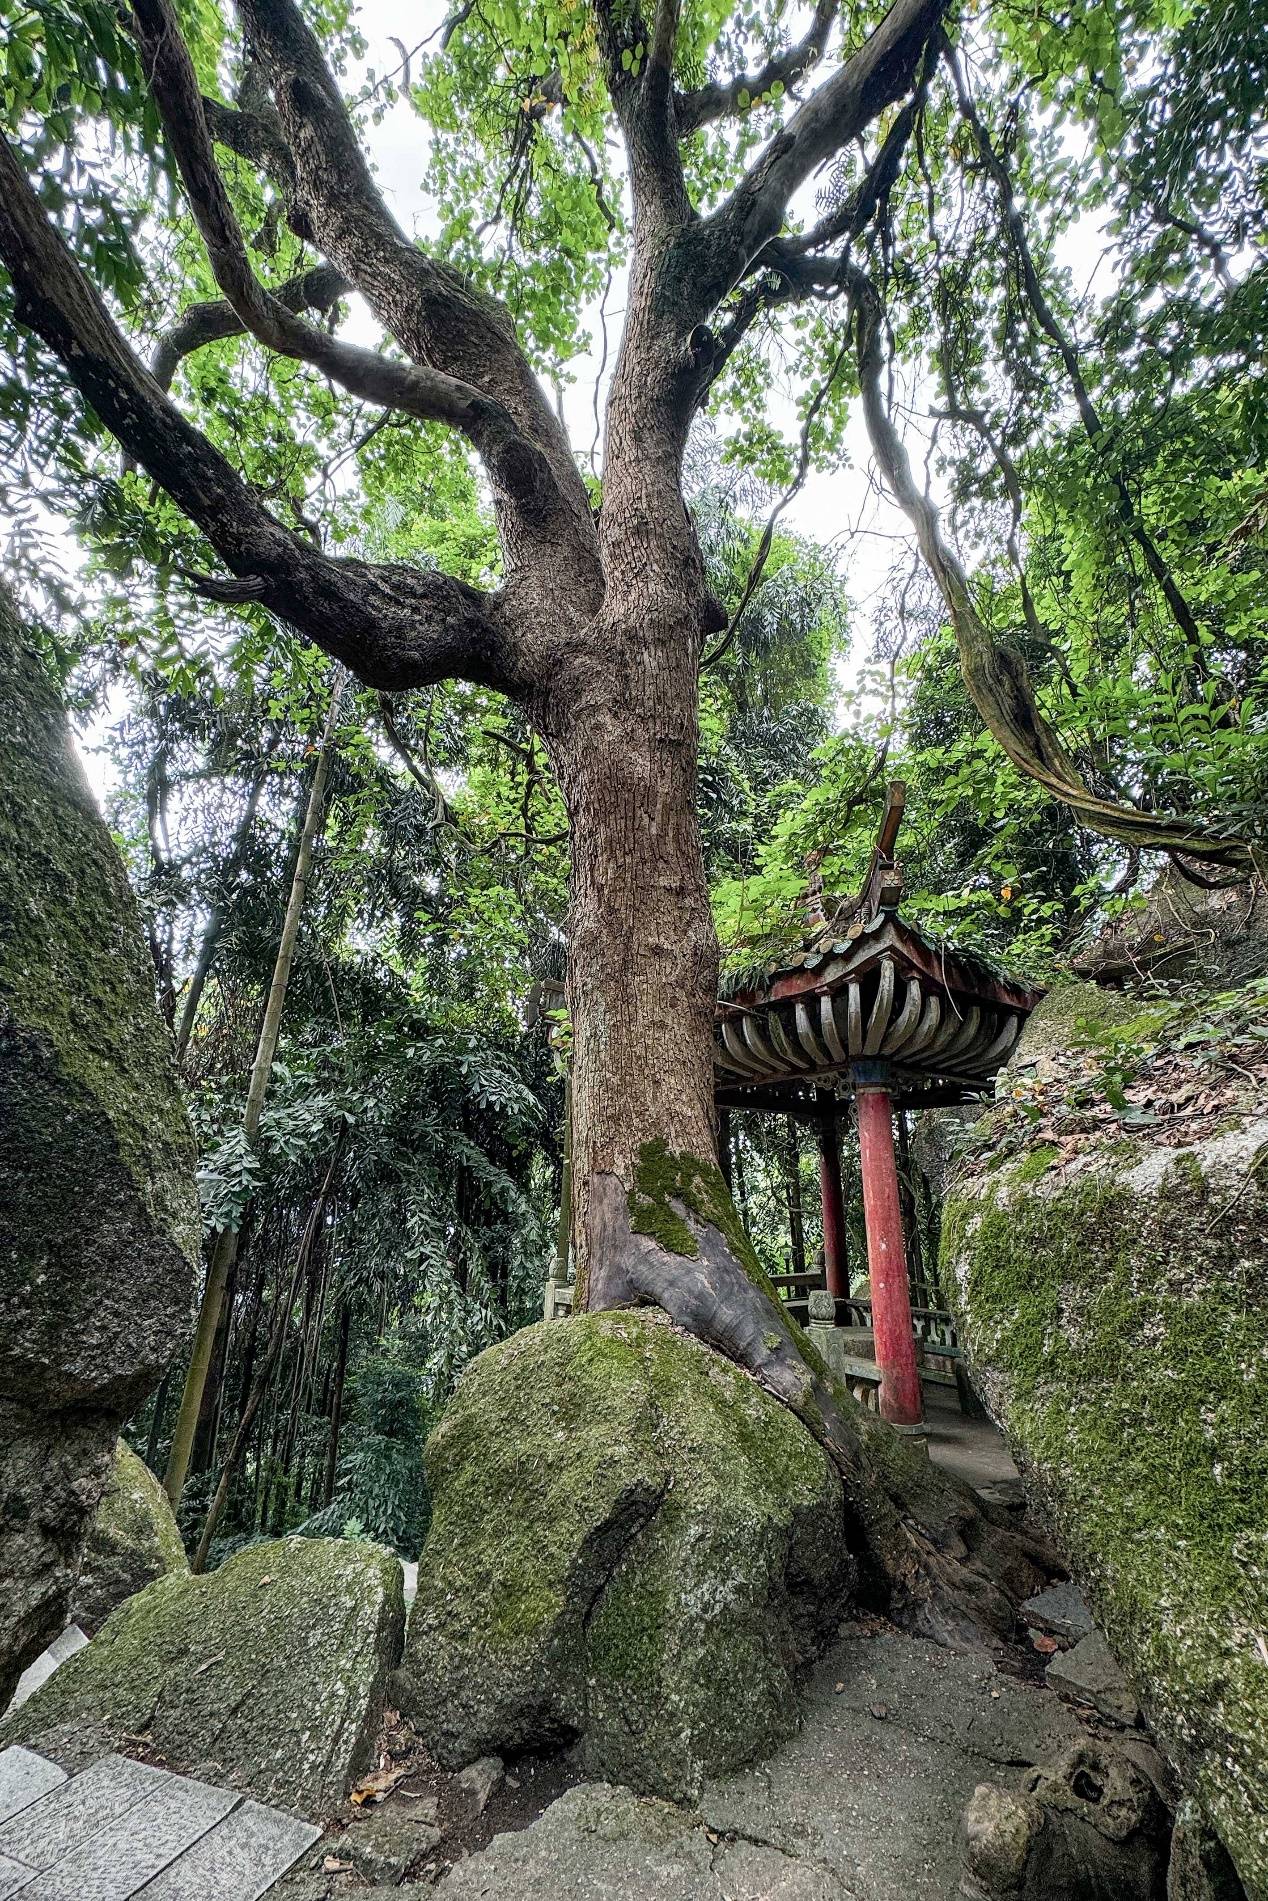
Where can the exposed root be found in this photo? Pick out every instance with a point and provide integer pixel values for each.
(935, 1557)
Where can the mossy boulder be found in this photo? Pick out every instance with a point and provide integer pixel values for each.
(98, 1205)
(1111, 1281)
(267, 1675)
(631, 1544)
(99, 1222)
(132, 1541)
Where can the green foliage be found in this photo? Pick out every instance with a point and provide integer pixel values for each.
(380, 1491)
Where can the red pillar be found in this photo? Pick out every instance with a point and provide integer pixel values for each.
(901, 1401)
(833, 1201)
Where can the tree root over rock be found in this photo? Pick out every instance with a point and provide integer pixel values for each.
(935, 1557)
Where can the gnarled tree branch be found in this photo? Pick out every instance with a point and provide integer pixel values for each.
(437, 316)
(1046, 318)
(643, 95)
(704, 104)
(393, 626)
(882, 70)
(997, 679)
(420, 391)
(214, 321)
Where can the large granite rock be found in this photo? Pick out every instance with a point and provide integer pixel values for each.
(597, 1842)
(53, 1469)
(1111, 1278)
(98, 1208)
(631, 1543)
(267, 1675)
(1215, 938)
(132, 1540)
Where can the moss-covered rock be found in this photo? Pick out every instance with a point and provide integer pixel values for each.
(631, 1543)
(132, 1541)
(98, 1206)
(267, 1675)
(1115, 1305)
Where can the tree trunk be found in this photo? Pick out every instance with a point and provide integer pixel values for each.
(643, 954)
(203, 1451)
(209, 942)
(336, 1406)
(156, 1419)
(655, 1223)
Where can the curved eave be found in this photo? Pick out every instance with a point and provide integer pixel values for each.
(942, 1025)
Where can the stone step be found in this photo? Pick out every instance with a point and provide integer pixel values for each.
(118, 1861)
(238, 1860)
(24, 1778)
(122, 1829)
(79, 1808)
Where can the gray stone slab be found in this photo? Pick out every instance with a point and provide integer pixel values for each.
(50, 1828)
(24, 1778)
(39, 1672)
(238, 1860)
(1061, 1610)
(117, 1861)
(1090, 1672)
(13, 1875)
(895, 1738)
(597, 1843)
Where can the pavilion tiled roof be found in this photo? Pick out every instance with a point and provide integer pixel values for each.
(866, 987)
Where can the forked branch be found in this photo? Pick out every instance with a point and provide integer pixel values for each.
(436, 315)
(719, 98)
(393, 626)
(214, 321)
(884, 68)
(419, 391)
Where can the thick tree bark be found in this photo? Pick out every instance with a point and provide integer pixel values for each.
(643, 955)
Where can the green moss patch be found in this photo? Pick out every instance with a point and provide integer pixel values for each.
(1116, 1312)
(631, 1542)
(99, 1218)
(267, 1674)
(132, 1541)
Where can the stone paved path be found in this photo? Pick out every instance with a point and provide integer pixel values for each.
(121, 1829)
(863, 1804)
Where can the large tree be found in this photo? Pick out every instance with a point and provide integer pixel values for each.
(602, 616)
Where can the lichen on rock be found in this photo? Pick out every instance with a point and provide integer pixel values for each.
(266, 1675)
(98, 1205)
(631, 1543)
(133, 1539)
(99, 1222)
(1115, 1306)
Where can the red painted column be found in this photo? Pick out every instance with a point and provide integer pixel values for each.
(901, 1401)
(833, 1202)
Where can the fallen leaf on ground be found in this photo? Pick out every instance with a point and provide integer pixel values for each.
(374, 1788)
